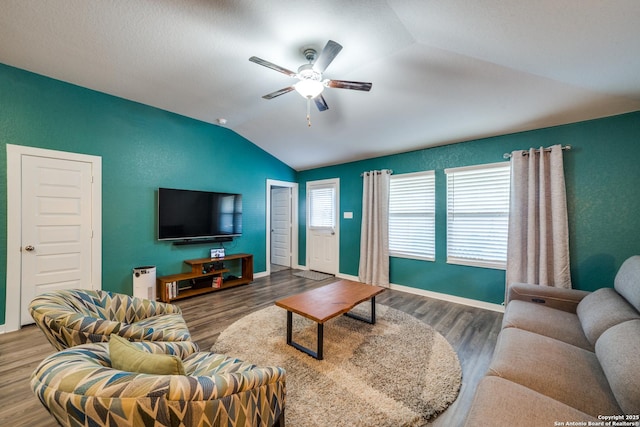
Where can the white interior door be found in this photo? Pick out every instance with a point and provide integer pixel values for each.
(281, 226)
(56, 243)
(322, 225)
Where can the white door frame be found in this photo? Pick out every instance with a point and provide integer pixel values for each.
(14, 222)
(294, 221)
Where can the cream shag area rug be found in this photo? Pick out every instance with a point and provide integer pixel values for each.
(398, 372)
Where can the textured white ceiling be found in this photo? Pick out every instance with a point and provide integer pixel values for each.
(443, 71)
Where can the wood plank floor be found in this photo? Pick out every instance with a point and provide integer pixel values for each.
(471, 331)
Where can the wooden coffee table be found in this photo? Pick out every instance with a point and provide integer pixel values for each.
(325, 303)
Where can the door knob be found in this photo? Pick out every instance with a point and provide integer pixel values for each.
(29, 248)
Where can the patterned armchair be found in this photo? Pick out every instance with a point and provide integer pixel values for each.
(79, 387)
(78, 316)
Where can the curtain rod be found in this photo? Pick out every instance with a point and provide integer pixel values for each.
(389, 171)
(526, 153)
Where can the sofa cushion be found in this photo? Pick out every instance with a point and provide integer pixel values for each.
(125, 356)
(547, 321)
(618, 350)
(601, 310)
(499, 402)
(627, 281)
(561, 371)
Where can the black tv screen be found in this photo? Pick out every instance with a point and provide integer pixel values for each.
(189, 214)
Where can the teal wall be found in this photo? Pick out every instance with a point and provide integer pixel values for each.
(142, 148)
(602, 174)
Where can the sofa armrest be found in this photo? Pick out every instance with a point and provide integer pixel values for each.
(167, 327)
(558, 298)
(257, 381)
(128, 309)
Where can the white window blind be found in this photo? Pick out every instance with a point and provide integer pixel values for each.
(322, 207)
(478, 215)
(412, 215)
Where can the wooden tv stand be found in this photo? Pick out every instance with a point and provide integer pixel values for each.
(199, 271)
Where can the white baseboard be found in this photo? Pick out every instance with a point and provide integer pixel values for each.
(347, 277)
(450, 298)
(260, 275)
(437, 295)
(2, 329)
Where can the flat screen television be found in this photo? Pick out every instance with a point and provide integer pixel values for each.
(190, 214)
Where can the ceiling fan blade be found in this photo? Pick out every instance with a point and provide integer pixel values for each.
(328, 54)
(344, 84)
(278, 92)
(321, 103)
(271, 65)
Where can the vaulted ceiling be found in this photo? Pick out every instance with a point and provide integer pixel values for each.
(443, 71)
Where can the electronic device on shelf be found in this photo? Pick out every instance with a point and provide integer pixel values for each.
(217, 253)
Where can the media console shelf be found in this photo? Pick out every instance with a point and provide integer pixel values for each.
(184, 285)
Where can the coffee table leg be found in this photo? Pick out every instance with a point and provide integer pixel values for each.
(373, 310)
(372, 320)
(289, 326)
(320, 340)
(315, 354)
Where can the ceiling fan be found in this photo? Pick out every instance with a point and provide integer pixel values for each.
(310, 83)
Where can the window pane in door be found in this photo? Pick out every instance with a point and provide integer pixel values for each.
(322, 207)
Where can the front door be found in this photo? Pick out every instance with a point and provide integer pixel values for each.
(56, 232)
(322, 225)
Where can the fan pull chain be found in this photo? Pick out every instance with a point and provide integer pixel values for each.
(309, 112)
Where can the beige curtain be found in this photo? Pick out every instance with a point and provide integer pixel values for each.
(538, 242)
(374, 239)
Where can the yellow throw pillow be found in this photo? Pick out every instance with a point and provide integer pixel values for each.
(127, 357)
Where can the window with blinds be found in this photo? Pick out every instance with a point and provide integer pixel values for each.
(322, 207)
(412, 216)
(478, 215)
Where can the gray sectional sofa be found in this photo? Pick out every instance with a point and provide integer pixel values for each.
(565, 357)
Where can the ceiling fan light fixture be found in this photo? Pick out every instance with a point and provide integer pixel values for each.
(310, 84)
(309, 88)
